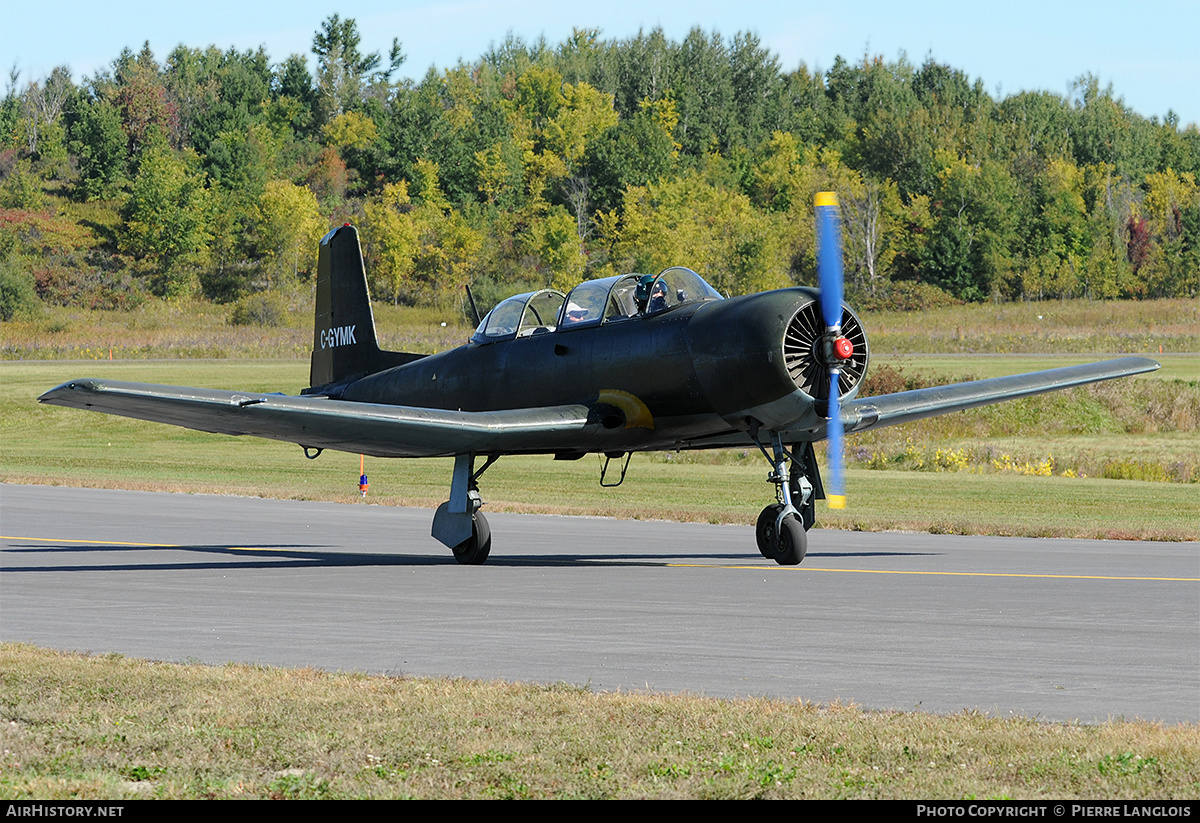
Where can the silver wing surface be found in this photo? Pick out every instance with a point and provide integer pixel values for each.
(903, 407)
(317, 422)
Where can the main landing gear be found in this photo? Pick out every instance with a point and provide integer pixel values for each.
(458, 523)
(476, 548)
(782, 529)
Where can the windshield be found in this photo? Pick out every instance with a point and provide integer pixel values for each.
(676, 286)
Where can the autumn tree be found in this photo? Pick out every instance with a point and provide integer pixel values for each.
(287, 227)
(390, 237)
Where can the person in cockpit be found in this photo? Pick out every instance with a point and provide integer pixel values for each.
(651, 294)
(658, 298)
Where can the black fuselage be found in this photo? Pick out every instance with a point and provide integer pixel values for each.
(698, 369)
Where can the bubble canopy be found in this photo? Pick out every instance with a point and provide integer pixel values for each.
(522, 315)
(605, 300)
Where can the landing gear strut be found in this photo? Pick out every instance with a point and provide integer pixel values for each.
(458, 523)
(782, 527)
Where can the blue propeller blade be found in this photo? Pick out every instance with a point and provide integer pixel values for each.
(829, 278)
(835, 494)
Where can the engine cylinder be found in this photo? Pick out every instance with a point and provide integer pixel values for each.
(807, 360)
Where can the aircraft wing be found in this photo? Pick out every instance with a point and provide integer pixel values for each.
(318, 422)
(902, 407)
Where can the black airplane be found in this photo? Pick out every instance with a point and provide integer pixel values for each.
(621, 364)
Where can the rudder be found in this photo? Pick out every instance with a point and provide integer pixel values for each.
(344, 343)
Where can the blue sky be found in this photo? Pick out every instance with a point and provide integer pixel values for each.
(1147, 50)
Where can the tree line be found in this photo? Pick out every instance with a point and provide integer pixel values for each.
(215, 172)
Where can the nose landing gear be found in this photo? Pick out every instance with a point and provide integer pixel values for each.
(782, 529)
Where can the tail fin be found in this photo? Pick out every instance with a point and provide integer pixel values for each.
(344, 344)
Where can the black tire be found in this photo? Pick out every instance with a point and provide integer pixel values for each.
(788, 547)
(793, 542)
(475, 550)
(764, 532)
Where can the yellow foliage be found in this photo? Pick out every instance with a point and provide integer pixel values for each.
(1006, 463)
(390, 235)
(586, 113)
(289, 220)
(427, 184)
(464, 96)
(350, 130)
(555, 241)
(665, 116)
(692, 222)
(492, 171)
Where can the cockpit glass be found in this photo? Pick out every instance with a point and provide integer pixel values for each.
(503, 319)
(622, 302)
(607, 300)
(586, 302)
(676, 286)
(522, 315)
(541, 313)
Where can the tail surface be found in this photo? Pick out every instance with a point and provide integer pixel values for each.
(344, 344)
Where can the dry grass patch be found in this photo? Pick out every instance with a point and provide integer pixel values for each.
(112, 727)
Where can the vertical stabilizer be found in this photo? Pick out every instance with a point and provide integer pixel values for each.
(344, 344)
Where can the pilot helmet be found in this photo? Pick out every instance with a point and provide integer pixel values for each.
(643, 287)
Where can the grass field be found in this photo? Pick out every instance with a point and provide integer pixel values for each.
(109, 727)
(78, 727)
(1051, 327)
(187, 330)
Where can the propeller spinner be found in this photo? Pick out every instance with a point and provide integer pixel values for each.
(836, 348)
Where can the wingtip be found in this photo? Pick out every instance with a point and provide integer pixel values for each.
(70, 393)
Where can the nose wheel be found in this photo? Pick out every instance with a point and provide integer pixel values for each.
(781, 536)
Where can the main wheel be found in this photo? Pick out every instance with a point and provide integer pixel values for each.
(475, 549)
(788, 547)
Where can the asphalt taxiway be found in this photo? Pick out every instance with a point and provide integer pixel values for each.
(1053, 629)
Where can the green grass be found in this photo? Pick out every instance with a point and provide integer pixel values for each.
(191, 329)
(79, 727)
(1052, 327)
(187, 329)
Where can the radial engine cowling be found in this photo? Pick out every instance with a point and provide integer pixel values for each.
(807, 359)
(766, 356)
